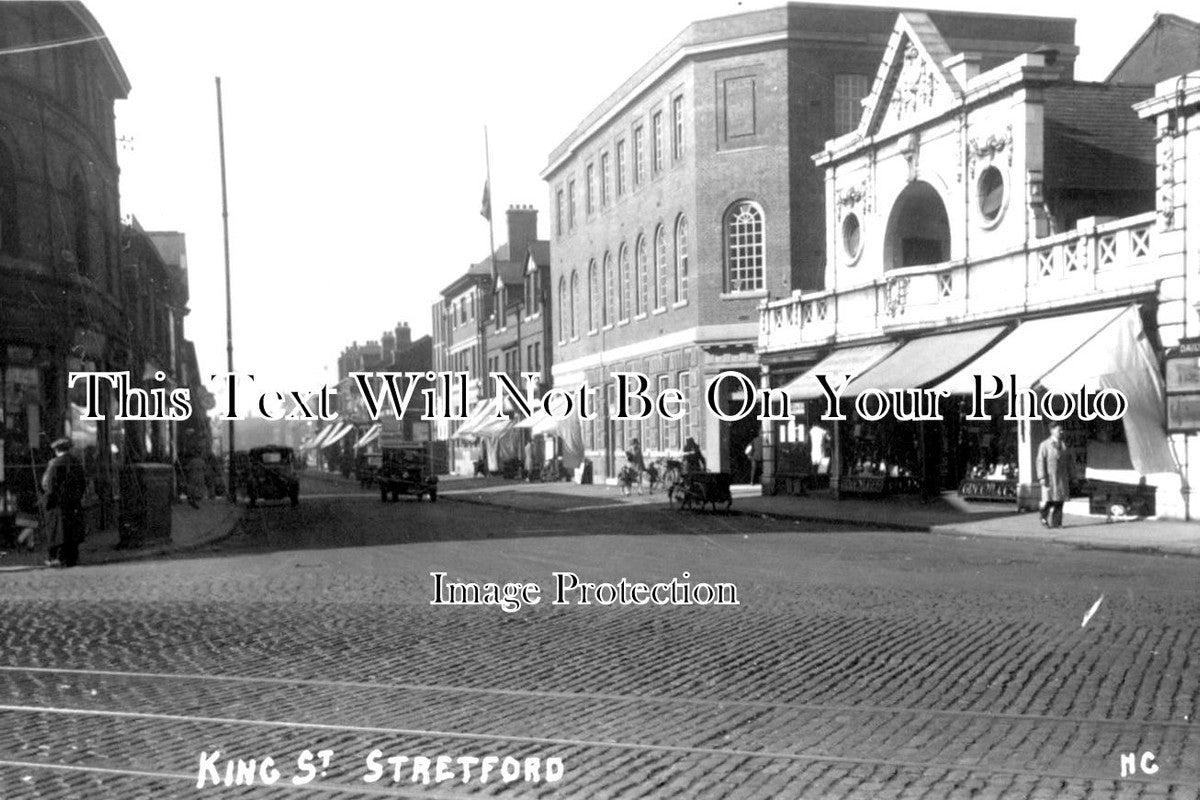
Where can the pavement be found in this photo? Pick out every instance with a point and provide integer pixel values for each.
(191, 529)
(946, 515)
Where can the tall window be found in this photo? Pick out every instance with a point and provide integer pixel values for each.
(595, 298)
(9, 239)
(610, 290)
(685, 388)
(571, 205)
(639, 155)
(677, 128)
(640, 278)
(620, 167)
(625, 298)
(558, 212)
(681, 259)
(660, 282)
(562, 309)
(605, 179)
(79, 209)
(574, 303)
(848, 92)
(656, 149)
(589, 188)
(664, 426)
(744, 247)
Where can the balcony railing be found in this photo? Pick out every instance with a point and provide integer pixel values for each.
(1103, 260)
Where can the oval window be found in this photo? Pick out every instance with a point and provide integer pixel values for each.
(991, 194)
(851, 235)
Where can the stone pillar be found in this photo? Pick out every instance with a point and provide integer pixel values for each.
(767, 434)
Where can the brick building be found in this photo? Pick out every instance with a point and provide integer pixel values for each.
(688, 197)
(492, 319)
(61, 305)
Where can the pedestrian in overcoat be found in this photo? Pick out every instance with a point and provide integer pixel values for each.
(1054, 475)
(65, 483)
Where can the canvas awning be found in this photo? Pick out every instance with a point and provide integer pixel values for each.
(924, 360)
(1032, 350)
(849, 360)
(371, 435)
(1089, 351)
(319, 437)
(337, 435)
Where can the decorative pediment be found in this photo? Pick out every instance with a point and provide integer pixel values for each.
(911, 80)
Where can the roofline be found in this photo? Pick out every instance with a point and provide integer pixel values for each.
(89, 22)
(1158, 16)
(678, 50)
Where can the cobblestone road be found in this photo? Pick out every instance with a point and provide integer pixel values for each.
(857, 664)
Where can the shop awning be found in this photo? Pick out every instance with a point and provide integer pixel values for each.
(541, 421)
(1032, 350)
(850, 360)
(924, 360)
(1090, 351)
(337, 435)
(319, 437)
(371, 435)
(482, 411)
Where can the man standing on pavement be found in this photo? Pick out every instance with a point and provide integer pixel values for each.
(1054, 474)
(64, 483)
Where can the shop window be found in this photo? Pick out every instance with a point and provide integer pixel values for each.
(744, 247)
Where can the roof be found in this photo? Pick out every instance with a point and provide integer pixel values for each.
(540, 251)
(171, 245)
(813, 22)
(511, 274)
(1095, 140)
(1170, 46)
(89, 23)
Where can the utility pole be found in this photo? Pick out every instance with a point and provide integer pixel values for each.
(231, 492)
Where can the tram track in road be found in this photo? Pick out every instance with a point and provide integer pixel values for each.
(690, 729)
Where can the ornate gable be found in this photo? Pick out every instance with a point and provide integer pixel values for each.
(911, 79)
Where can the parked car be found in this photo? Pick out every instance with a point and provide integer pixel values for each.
(266, 473)
(407, 469)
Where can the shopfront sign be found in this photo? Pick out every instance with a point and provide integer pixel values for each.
(1183, 387)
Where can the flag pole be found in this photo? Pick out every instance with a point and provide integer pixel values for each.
(231, 491)
(487, 196)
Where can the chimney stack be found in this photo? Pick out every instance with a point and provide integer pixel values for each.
(522, 230)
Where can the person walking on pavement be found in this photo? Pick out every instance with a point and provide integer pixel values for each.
(637, 461)
(1054, 474)
(64, 483)
(693, 459)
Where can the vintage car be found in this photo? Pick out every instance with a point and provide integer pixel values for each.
(266, 473)
(406, 469)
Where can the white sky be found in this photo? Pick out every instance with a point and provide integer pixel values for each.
(354, 143)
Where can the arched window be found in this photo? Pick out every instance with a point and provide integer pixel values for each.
(9, 240)
(595, 298)
(681, 259)
(744, 265)
(80, 214)
(660, 268)
(562, 308)
(574, 303)
(641, 279)
(625, 299)
(610, 290)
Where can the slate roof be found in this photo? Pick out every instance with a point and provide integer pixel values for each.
(1095, 140)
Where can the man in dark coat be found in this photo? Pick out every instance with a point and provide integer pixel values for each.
(65, 483)
(1054, 474)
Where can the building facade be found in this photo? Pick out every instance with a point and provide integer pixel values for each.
(1009, 222)
(61, 305)
(688, 197)
(491, 319)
